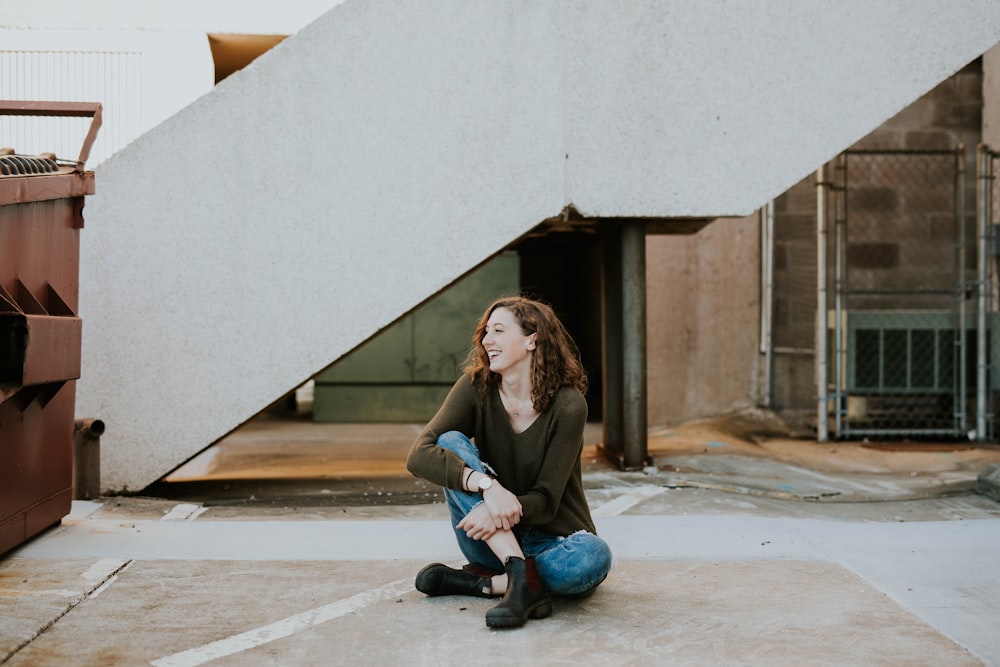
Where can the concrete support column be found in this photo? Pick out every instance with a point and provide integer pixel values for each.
(611, 310)
(634, 432)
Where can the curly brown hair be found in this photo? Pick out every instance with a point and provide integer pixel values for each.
(555, 362)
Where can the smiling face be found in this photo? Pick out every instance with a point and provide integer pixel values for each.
(507, 346)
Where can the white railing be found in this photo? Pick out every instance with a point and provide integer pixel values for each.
(113, 78)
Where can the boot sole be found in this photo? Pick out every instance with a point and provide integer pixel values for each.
(541, 610)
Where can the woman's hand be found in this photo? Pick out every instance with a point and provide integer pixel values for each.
(503, 506)
(478, 524)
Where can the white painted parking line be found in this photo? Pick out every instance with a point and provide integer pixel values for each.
(283, 628)
(103, 573)
(82, 509)
(184, 512)
(633, 496)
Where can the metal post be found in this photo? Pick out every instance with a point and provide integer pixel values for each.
(839, 335)
(634, 344)
(87, 458)
(612, 447)
(822, 428)
(982, 171)
(961, 400)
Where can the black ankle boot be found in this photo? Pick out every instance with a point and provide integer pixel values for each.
(527, 596)
(439, 579)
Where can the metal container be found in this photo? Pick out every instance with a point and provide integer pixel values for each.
(41, 215)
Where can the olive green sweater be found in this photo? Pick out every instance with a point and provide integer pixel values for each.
(541, 465)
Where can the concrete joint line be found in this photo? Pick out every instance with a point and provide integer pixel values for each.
(95, 588)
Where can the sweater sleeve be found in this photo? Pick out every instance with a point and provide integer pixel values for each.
(562, 456)
(458, 413)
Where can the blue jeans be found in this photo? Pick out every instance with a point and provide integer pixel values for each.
(572, 565)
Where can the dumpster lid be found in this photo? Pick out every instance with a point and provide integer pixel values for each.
(84, 109)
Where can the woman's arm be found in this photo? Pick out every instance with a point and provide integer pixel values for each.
(428, 461)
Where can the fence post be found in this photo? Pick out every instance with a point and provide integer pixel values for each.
(822, 410)
(982, 197)
(961, 402)
(839, 189)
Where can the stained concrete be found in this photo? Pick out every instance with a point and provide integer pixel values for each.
(716, 562)
(650, 612)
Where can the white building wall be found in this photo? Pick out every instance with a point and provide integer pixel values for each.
(227, 16)
(369, 160)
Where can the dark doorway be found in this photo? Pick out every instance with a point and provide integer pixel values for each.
(563, 269)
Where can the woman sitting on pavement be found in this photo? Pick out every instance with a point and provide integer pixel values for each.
(515, 496)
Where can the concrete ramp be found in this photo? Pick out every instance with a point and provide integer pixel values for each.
(376, 156)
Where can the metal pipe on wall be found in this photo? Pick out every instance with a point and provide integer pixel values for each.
(961, 399)
(87, 458)
(766, 297)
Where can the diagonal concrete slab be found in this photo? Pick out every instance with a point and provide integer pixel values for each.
(697, 614)
(707, 571)
(688, 589)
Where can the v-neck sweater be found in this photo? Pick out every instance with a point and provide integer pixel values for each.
(540, 465)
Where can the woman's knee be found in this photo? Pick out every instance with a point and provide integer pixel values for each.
(597, 555)
(583, 563)
(458, 442)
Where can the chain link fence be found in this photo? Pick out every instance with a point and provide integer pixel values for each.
(988, 321)
(900, 306)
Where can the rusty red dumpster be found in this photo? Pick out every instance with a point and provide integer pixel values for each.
(41, 215)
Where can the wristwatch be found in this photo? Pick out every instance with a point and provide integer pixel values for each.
(485, 482)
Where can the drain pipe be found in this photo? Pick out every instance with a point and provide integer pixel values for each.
(87, 459)
(822, 428)
(766, 297)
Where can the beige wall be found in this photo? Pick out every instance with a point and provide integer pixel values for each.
(991, 98)
(704, 321)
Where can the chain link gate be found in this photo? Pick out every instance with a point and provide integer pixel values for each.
(901, 270)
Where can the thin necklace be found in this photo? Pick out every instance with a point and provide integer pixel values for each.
(508, 400)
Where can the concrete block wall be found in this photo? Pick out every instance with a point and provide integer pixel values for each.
(950, 114)
(389, 148)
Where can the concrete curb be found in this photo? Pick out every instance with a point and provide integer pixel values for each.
(988, 481)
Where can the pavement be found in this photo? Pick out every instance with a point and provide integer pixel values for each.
(293, 543)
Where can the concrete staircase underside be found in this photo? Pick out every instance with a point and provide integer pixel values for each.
(379, 154)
